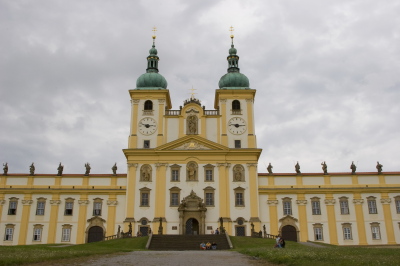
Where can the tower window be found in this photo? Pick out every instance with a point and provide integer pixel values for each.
(146, 144)
(148, 105)
(238, 144)
(235, 105)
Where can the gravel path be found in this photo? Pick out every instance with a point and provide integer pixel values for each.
(165, 258)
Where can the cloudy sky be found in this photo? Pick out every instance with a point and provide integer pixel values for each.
(327, 75)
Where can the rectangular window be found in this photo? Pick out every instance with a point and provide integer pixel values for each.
(376, 234)
(97, 208)
(69, 206)
(347, 233)
(239, 199)
(144, 201)
(318, 233)
(372, 207)
(287, 208)
(209, 199)
(238, 144)
(344, 207)
(12, 209)
(66, 235)
(37, 234)
(146, 144)
(174, 199)
(209, 175)
(397, 205)
(9, 234)
(316, 208)
(175, 175)
(40, 208)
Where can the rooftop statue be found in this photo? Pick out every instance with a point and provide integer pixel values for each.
(32, 169)
(353, 168)
(379, 167)
(87, 166)
(269, 168)
(5, 168)
(297, 167)
(324, 168)
(60, 169)
(114, 169)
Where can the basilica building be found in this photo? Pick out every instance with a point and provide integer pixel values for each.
(192, 167)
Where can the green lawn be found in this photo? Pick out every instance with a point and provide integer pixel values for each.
(17, 255)
(297, 254)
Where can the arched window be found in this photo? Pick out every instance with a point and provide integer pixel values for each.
(235, 105)
(148, 105)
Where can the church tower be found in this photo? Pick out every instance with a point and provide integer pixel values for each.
(190, 168)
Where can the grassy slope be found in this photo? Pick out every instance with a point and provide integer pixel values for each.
(297, 254)
(17, 255)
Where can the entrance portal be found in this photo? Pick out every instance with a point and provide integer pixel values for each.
(95, 234)
(289, 233)
(192, 227)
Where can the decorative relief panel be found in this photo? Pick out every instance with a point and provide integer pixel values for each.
(272, 202)
(358, 201)
(27, 202)
(301, 202)
(192, 145)
(330, 201)
(112, 202)
(386, 200)
(83, 202)
(145, 173)
(2, 202)
(55, 202)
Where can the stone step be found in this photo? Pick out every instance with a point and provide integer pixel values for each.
(186, 242)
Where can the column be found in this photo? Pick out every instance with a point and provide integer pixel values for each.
(161, 189)
(80, 235)
(224, 191)
(54, 203)
(330, 209)
(358, 201)
(2, 202)
(302, 208)
(130, 190)
(224, 136)
(254, 196)
(250, 121)
(273, 214)
(134, 120)
(112, 210)
(26, 208)
(385, 200)
(161, 104)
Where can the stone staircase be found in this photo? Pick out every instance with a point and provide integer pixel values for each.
(186, 242)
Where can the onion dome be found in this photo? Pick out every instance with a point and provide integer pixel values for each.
(233, 79)
(151, 80)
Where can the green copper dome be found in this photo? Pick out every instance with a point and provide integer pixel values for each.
(151, 80)
(233, 79)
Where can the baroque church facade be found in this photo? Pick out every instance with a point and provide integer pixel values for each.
(189, 169)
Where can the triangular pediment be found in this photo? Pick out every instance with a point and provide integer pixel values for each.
(191, 142)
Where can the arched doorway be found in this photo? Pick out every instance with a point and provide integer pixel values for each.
(192, 227)
(95, 234)
(289, 233)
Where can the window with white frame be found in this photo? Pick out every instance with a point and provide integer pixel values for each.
(174, 196)
(318, 232)
(376, 231)
(347, 231)
(97, 206)
(145, 197)
(372, 205)
(12, 207)
(66, 233)
(175, 171)
(344, 205)
(8, 236)
(397, 203)
(209, 196)
(239, 197)
(69, 206)
(41, 203)
(37, 232)
(316, 206)
(287, 206)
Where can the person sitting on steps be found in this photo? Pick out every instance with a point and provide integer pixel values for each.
(214, 245)
(202, 246)
(208, 245)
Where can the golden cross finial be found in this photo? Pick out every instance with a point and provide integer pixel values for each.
(154, 32)
(192, 93)
(231, 29)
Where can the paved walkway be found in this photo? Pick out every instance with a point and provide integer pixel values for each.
(166, 258)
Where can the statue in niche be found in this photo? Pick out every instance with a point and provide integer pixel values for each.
(297, 167)
(269, 168)
(5, 168)
(191, 169)
(379, 167)
(87, 166)
(114, 169)
(60, 169)
(353, 168)
(145, 173)
(324, 168)
(191, 124)
(32, 169)
(238, 173)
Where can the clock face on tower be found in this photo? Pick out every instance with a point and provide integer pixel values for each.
(147, 126)
(237, 125)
